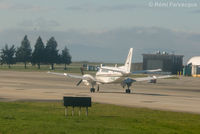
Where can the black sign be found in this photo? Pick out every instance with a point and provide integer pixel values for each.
(77, 101)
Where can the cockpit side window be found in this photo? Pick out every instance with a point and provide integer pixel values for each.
(104, 70)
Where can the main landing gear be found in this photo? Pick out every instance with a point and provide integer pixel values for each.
(92, 90)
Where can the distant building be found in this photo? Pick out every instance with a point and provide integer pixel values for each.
(90, 67)
(167, 62)
(136, 66)
(193, 67)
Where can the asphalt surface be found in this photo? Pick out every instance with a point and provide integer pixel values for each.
(168, 94)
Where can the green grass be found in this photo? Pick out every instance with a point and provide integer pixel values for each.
(174, 77)
(72, 68)
(48, 118)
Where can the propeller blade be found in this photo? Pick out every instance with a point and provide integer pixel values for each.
(98, 88)
(79, 82)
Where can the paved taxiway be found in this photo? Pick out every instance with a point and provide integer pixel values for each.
(170, 94)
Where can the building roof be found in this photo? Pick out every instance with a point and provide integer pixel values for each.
(164, 55)
(194, 61)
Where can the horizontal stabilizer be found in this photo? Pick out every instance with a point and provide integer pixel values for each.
(147, 71)
(152, 78)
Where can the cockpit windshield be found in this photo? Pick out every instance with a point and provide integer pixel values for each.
(104, 70)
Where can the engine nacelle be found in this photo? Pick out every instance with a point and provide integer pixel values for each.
(127, 82)
(85, 82)
(89, 80)
(123, 84)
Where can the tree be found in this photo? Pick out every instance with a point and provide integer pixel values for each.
(66, 57)
(23, 53)
(38, 53)
(51, 52)
(7, 55)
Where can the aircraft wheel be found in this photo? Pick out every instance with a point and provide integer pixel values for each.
(92, 90)
(128, 91)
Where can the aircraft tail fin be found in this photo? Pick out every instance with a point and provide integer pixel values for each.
(128, 62)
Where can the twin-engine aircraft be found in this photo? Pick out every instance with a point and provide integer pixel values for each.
(113, 75)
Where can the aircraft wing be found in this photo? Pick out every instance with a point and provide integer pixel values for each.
(151, 78)
(75, 76)
(68, 75)
(62, 74)
(89, 78)
(135, 72)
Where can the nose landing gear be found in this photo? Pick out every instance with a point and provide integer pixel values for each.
(92, 90)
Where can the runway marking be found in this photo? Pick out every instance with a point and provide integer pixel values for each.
(20, 89)
(49, 92)
(149, 101)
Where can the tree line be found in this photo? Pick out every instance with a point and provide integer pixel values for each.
(42, 54)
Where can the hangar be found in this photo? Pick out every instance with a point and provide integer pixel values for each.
(193, 67)
(167, 62)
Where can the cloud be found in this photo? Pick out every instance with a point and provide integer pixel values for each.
(27, 7)
(119, 7)
(113, 45)
(4, 5)
(102, 8)
(39, 24)
(196, 11)
(33, 8)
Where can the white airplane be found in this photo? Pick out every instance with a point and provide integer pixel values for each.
(113, 75)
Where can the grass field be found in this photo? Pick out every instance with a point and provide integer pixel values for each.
(72, 68)
(48, 118)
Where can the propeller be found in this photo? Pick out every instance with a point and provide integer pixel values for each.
(79, 82)
(81, 68)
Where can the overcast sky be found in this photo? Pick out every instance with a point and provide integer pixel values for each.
(112, 26)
